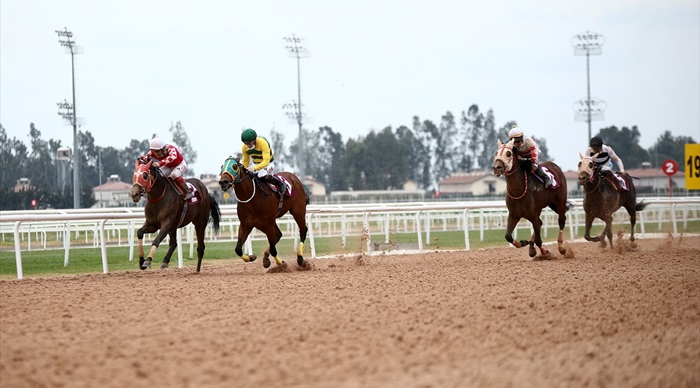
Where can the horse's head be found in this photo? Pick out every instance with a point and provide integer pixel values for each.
(503, 159)
(231, 172)
(143, 179)
(586, 168)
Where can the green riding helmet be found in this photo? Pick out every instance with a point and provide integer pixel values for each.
(248, 135)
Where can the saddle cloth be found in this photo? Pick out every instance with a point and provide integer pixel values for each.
(555, 182)
(290, 189)
(621, 182)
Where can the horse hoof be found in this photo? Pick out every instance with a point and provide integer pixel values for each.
(164, 265)
(266, 262)
(532, 252)
(252, 258)
(300, 261)
(146, 264)
(562, 250)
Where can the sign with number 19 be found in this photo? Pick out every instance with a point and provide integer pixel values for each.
(692, 166)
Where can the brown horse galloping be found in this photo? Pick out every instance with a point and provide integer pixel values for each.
(527, 196)
(259, 207)
(602, 199)
(165, 210)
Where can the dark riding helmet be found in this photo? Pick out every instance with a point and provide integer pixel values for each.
(596, 142)
(248, 135)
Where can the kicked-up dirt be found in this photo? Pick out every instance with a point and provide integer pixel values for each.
(486, 318)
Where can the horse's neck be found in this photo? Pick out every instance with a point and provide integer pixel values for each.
(516, 177)
(244, 188)
(159, 188)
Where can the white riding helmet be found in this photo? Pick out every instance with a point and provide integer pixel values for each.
(515, 132)
(157, 143)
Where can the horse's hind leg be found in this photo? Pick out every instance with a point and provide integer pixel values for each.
(199, 231)
(633, 222)
(562, 225)
(607, 232)
(537, 227)
(172, 245)
(303, 229)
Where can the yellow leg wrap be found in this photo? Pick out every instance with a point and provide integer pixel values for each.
(246, 258)
(153, 251)
(278, 260)
(300, 251)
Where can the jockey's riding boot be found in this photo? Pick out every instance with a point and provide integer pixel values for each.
(280, 185)
(610, 176)
(185, 190)
(545, 178)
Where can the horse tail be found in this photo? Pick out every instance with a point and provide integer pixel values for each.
(639, 206)
(215, 213)
(306, 191)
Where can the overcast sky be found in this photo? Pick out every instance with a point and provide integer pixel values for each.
(221, 66)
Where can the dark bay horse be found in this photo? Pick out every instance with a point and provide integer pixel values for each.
(526, 196)
(602, 199)
(259, 207)
(167, 211)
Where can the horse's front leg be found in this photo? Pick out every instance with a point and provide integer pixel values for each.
(589, 224)
(243, 232)
(154, 245)
(512, 222)
(172, 245)
(273, 237)
(146, 228)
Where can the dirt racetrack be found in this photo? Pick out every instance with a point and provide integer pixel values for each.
(482, 318)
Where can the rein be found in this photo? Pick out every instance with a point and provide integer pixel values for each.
(591, 180)
(239, 180)
(162, 194)
(524, 192)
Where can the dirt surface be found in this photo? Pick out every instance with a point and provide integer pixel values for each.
(493, 317)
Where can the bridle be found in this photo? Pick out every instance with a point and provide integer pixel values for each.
(592, 175)
(505, 160)
(146, 180)
(237, 168)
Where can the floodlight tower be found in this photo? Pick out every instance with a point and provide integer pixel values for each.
(298, 51)
(588, 43)
(65, 39)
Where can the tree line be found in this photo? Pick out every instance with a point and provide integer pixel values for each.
(426, 152)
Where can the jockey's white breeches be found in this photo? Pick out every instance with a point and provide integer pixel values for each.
(175, 172)
(267, 170)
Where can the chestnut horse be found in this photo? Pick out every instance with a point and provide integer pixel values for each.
(526, 196)
(259, 206)
(167, 211)
(602, 199)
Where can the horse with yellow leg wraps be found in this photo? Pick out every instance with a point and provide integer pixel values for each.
(259, 206)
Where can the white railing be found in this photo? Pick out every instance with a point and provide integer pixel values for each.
(417, 217)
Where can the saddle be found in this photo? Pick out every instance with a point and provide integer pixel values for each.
(552, 177)
(289, 193)
(619, 183)
(196, 195)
